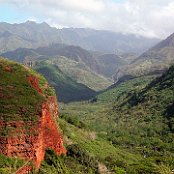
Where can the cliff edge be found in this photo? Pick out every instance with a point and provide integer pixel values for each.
(28, 114)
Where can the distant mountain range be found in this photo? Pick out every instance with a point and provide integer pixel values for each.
(72, 52)
(91, 57)
(33, 35)
(154, 61)
(77, 63)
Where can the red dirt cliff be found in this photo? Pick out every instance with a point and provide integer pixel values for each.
(30, 143)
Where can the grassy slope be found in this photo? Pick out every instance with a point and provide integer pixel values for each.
(9, 165)
(138, 118)
(86, 150)
(111, 95)
(118, 132)
(159, 57)
(67, 89)
(144, 67)
(75, 62)
(81, 73)
(19, 101)
(16, 93)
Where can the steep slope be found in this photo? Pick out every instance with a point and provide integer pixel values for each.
(148, 116)
(132, 132)
(72, 52)
(155, 60)
(26, 35)
(160, 94)
(149, 107)
(28, 114)
(33, 35)
(105, 41)
(136, 115)
(75, 62)
(67, 89)
(81, 73)
(21, 55)
(75, 53)
(115, 91)
(110, 63)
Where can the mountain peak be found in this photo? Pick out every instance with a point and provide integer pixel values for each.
(29, 22)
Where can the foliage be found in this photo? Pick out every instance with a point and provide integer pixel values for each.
(19, 100)
(77, 160)
(9, 165)
(126, 88)
(76, 151)
(53, 164)
(81, 73)
(73, 120)
(119, 170)
(137, 116)
(128, 128)
(66, 89)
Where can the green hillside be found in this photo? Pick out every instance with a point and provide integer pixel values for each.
(19, 102)
(67, 89)
(9, 165)
(81, 73)
(130, 132)
(154, 61)
(114, 92)
(75, 62)
(136, 116)
(126, 129)
(16, 93)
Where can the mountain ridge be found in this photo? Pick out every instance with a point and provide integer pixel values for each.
(66, 88)
(33, 35)
(156, 60)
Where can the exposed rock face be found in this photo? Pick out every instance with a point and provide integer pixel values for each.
(50, 135)
(43, 134)
(34, 81)
(29, 139)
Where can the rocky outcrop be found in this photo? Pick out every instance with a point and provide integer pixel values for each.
(29, 139)
(50, 135)
(42, 134)
(34, 81)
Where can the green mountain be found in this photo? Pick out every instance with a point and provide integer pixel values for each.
(75, 62)
(134, 118)
(67, 89)
(154, 61)
(75, 53)
(33, 35)
(81, 73)
(126, 129)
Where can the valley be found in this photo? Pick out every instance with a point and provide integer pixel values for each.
(85, 101)
(132, 122)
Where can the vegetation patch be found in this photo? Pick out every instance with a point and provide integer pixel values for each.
(67, 90)
(9, 165)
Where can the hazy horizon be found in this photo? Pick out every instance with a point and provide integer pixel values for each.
(145, 18)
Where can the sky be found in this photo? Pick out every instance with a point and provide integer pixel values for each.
(149, 18)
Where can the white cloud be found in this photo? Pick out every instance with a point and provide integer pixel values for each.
(144, 17)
